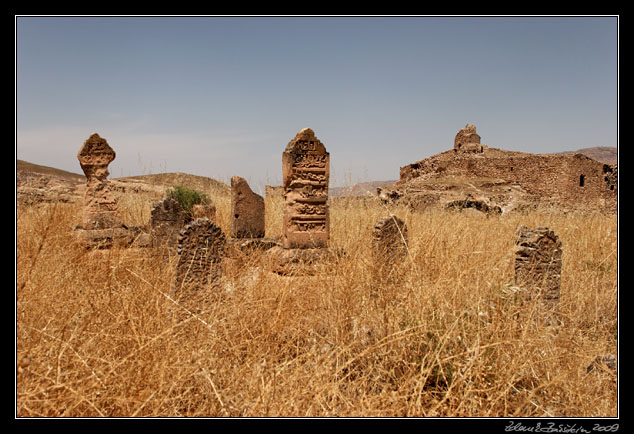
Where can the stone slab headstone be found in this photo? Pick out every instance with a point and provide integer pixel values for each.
(201, 250)
(305, 174)
(389, 238)
(538, 264)
(247, 210)
(166, 221)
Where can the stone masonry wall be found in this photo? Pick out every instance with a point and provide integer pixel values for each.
(571, 179)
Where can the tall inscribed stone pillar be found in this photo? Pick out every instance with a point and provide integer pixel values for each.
(305, 175)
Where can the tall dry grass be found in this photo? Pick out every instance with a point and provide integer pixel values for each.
(436, 335)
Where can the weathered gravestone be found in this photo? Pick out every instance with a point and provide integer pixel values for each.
(247, 221)
(306, 220)
(389, 249)
(538, 265)
(247, 210)
(201, 249)
(167, 219)
(389, 239)
(101, 223)
(305, 175)
(100, 206)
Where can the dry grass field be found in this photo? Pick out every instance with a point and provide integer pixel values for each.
(436, 335)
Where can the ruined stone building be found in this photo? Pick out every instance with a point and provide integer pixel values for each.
(571, 180)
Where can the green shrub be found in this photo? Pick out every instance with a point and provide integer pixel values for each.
(187, 197)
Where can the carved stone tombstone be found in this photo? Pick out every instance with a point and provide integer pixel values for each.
(100, 206)
(201, 249)
(538, 264)
(389, 249)
(166, 221)
(389, 239)
(305, 175)
(247, 210)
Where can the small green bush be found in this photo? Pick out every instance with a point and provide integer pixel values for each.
(187, 197)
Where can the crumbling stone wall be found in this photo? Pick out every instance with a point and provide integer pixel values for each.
(467, 140)
(571, 180)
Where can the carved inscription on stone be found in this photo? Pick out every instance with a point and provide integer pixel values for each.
(305, 173)
(201, 249)
(100, 206)
(538, 264)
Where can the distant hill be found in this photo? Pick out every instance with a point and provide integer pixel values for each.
(603, 154)
(200, 183)
(360, 189)
(26, 172)
(37, 183)
(26, 168)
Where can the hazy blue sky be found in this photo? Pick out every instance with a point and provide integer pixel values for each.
(222, 96)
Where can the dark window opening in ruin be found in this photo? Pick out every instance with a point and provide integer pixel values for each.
(511, 168)
(611, 187)
(582, 180)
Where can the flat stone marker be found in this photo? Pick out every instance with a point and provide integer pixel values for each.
(305, 174)
(247, 210)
